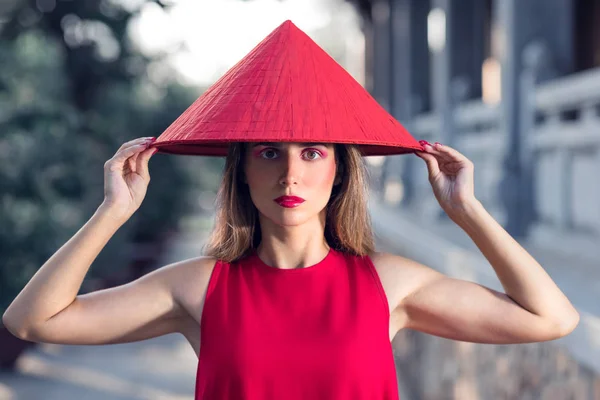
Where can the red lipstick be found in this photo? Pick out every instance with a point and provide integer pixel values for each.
(289, 201)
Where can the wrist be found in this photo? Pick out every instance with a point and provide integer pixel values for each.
(466, 211)
(111, 214)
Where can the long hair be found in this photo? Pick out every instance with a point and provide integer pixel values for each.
(236, 231)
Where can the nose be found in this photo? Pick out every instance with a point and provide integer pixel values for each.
(292, 169)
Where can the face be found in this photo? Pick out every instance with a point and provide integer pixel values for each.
(305, 170)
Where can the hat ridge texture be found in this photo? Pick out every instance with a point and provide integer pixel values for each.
(286, 89)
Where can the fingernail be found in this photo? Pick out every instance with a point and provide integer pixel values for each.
(438, 143)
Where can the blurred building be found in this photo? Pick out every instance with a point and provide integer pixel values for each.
(515, 86)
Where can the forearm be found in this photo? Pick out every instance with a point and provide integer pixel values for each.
(56, 284)
(522, 277)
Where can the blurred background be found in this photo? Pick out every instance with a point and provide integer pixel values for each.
(512, 84)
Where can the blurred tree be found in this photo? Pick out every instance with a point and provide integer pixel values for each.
(72, 90)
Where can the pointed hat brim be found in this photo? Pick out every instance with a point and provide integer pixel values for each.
(287, 89)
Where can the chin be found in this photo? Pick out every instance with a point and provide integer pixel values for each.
(287, 217)
(290, 216)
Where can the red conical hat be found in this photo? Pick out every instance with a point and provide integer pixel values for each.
(287, 89)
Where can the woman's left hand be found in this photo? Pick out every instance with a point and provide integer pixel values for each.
(450, 175)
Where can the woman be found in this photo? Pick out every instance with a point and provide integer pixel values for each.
(292, 300)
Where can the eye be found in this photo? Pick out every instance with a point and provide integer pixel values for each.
(314, 157)
(267, 151)
(315, 152)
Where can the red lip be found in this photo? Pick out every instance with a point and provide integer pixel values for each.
(290, 199)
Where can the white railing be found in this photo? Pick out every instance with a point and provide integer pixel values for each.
(479, 136)
(571, 91)
(566, 147)
(564, 140)
(476, 117)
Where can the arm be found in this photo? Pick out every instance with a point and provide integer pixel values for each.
(533, 308)
(49, 310)
(467, 311)
(522, 277)
(56, 284)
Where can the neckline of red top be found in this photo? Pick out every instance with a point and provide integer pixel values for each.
(310, 268)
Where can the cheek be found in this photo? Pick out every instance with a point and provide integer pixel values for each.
(259, 182)
(258, 176)
(326, 177)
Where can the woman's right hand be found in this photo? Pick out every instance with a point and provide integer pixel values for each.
(126, 178)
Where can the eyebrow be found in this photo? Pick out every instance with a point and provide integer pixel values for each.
(277, 144)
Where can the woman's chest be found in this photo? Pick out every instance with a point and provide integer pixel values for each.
(239, 314)
(193, 336)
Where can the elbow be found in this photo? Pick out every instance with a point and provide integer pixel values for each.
(14, 328)
(568, 324)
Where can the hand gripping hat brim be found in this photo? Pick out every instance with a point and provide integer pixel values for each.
(287, 89)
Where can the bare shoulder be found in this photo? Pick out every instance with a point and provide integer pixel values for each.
(189, 291)
(190, 282)
(400, 275)
(153, 305)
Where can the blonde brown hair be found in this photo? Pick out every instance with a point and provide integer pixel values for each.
(237, 230)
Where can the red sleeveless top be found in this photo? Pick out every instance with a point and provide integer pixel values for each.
(318, 333)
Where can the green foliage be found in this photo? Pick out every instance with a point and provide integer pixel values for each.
(64, 110)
